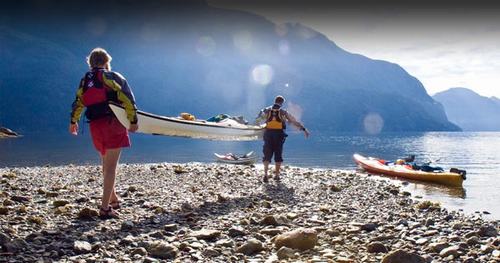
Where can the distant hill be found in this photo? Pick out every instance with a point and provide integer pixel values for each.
(469, 110)
(495, 100)
(189, 56)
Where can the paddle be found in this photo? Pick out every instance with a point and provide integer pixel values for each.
(432, 161)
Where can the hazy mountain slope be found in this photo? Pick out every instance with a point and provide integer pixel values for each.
(188, 56)
(469, 110)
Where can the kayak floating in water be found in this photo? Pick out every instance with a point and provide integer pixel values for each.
(226, 130)
(454, 177)
(248, 158)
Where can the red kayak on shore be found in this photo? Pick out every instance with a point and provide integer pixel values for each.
(454, 177)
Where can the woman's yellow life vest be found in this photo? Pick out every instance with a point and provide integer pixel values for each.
(275, 120)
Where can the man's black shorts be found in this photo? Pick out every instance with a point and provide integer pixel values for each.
(273, 145)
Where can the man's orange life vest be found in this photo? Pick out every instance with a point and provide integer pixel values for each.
(275, 119)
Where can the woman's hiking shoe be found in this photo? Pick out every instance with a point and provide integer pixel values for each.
(108, 213)
(265, 179)
(277, 178)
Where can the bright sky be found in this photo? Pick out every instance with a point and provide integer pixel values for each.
(443, 48)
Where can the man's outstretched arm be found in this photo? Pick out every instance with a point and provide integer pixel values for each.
(292, 120)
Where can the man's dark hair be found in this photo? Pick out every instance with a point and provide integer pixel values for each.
(279, 99)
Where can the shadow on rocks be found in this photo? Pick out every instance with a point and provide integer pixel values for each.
(281, 193)
(131, 234)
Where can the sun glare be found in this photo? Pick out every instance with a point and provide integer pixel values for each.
(262, 74)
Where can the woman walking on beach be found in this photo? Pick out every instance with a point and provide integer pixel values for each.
(97, 87)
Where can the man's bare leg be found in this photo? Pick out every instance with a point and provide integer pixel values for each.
(266, 168)
(277, 169)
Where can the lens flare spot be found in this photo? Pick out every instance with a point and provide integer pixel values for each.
(305, 32)
(243, 41)
(281, 29)
(150, 32)
(96, 26)
(206, 46)
(373, 123)
(262, 74)
(284, 47)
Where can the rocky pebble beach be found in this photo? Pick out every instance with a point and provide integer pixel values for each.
(221, 213)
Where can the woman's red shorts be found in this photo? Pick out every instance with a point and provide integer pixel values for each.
(108, 133)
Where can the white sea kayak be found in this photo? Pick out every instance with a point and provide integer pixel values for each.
(226, 130)
(248, 158)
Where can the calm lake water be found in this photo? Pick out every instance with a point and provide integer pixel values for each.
(478, 153)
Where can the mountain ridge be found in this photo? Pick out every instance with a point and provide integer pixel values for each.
(469, 110)
(175, 57)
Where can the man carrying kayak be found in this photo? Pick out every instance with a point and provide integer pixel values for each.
(275, 119)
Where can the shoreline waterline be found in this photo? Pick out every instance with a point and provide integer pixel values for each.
(419, 191)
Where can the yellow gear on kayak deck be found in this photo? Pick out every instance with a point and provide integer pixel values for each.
(188, 116)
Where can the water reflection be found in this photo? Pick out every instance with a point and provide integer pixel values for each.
(433, 190)
(425, 188)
